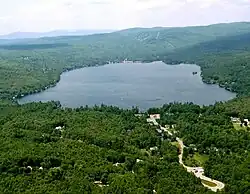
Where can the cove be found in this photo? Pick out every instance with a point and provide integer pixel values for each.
(144, 85)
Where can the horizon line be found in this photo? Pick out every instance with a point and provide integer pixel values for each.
(121, 29)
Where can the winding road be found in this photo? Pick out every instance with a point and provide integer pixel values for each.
(197, 171)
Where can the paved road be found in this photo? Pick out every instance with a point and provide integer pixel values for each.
(197, 171)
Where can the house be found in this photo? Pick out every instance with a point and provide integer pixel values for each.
(235, 120)
(155, 116)
(58, 128)
(100, 184)
(246, 120)
(154, 148)
(117, 164)
(138, 160)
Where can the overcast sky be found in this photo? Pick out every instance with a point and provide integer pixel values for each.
(47, 15)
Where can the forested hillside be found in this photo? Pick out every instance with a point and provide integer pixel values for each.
(224, 61)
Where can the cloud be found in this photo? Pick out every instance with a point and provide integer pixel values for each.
(197, 12)
(45, 15)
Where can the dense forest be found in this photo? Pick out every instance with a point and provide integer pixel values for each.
(49, 149)
(104, 144)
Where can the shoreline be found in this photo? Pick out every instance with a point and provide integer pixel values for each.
(16, 98)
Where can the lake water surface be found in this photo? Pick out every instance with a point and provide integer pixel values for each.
(132, 84)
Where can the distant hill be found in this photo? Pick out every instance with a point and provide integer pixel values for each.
(156, 40)
(229, 44)
(174, 38)
(24, 35)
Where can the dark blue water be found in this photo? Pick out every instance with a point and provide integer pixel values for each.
(132, 84)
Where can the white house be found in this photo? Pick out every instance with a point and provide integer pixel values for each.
(58, 128)
(246, 120)
(154, 148)
(138, 160)
(235, 120)
(155, 116)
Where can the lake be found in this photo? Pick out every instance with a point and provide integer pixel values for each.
(132, 84)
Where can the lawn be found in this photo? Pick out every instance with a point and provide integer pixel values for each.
(238, 127)
(201, 159)
(196, 160)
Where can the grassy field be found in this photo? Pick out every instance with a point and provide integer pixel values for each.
(208, 183)
(196, 160)
(201, 159)
(238, 127)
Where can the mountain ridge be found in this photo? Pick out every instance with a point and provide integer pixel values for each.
(68, 33)
(54, 33)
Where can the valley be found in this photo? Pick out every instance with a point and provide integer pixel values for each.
(96, 130)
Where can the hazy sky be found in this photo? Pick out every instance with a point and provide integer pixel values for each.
(46, 15)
